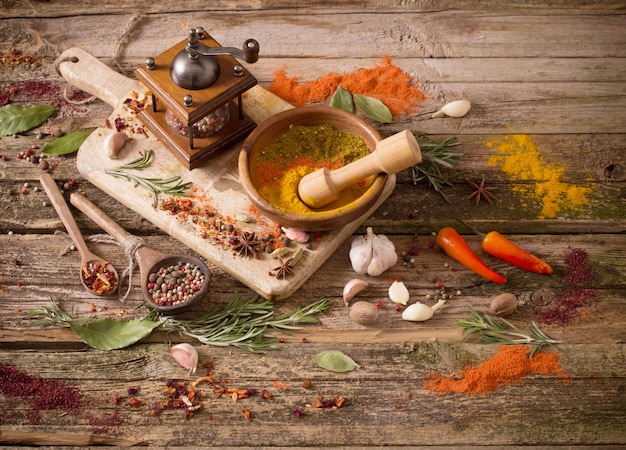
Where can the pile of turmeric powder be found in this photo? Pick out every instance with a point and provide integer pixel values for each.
(518, 157)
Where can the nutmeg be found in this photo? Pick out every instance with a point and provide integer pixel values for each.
(503, 305)
(363, 312)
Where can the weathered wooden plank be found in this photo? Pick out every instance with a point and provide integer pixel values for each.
(16, 8)
(23, 290)
(385, 394)
(437, 34)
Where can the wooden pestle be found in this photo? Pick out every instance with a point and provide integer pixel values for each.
(393, 154)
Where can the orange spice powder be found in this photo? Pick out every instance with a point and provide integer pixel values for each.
(386, 82)
(509, 365)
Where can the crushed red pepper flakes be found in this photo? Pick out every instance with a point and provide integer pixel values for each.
(334, 403)
(281, 385)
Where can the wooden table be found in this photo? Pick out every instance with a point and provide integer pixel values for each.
(554, 71)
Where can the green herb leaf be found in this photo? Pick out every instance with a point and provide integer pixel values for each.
(373, 108)
(335, 361)
(110, 334)
(342, 99)
(15, 118)
(67, 144)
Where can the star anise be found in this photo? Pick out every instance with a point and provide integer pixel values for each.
(245, 244)
(285, 269)
(481, 191)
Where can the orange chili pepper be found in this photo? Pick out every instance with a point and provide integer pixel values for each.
(497, 245)
(451, 242)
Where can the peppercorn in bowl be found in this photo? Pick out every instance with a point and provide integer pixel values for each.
(293, 143)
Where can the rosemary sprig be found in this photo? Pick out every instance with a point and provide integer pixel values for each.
(243, 323)
(154, 185)
(51, 315)
(435, 156)
(492, 332)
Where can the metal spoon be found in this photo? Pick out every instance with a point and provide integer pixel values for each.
(96, 275)
(149, 260)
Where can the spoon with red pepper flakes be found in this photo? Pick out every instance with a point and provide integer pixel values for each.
(96, 275)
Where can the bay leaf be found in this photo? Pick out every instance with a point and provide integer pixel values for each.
(373, 108)
(335, 361)
(111, 334)
(67, 144)
(16, 118)
(342, 99)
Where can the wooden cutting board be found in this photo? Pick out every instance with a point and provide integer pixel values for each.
(217, 181)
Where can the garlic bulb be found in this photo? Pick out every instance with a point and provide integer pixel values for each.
(454, 109)
(398, 293)
(372, 254)
(418, 312)
(186, 355)
(352, 288)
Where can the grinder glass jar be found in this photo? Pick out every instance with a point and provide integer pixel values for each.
(205, 127)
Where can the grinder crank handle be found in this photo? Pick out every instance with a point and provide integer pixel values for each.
(393, 154)
(88, 73)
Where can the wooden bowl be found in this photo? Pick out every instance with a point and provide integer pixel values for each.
(333, 215)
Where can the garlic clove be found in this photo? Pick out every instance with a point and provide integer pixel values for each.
(113, 144)
(352, 288)
(186, 355)
(296, 235)
(418, 312)
(457, 108)
(398, 293)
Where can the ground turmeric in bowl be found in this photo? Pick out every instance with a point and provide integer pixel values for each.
(302, 149)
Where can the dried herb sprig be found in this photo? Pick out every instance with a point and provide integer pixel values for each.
(172, 186)
(243, 323)
(436, 155)
(504, 332)
(51, 315)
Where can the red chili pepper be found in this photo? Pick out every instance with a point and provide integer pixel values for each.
(457, 248)
(497, 245)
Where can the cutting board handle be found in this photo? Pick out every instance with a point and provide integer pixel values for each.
(91, 75)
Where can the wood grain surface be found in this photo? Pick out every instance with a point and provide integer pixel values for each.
(554, 71)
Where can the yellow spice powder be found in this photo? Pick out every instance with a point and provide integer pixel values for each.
(518, 157)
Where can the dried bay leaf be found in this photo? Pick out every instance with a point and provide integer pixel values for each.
(373, 108)
(342, 99)
(16, 118)
(67, 144)
(110, 334)
(335, 361)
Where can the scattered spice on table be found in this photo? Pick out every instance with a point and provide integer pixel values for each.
(398, 90)
(520, 159)
(579, 276)
(199, 211)
(510, 365)
(301, 150)
(333, 403)
(40, 393)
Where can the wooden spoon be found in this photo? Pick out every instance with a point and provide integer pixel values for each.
(149, 260)
(90, 264)
(393, 154)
